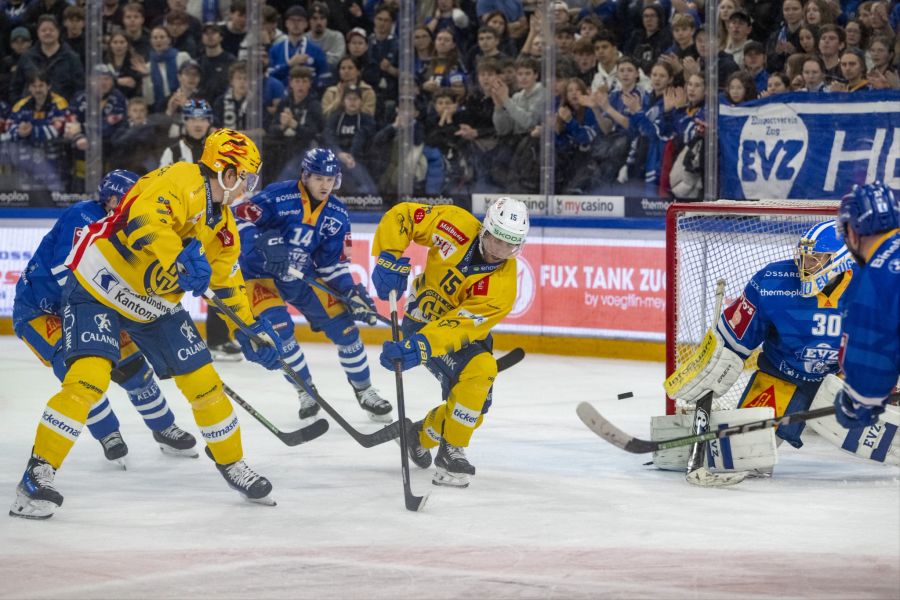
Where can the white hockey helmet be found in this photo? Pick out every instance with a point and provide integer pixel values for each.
(821, 256)
(506, 220)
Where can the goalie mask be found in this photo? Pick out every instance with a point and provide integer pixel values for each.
(821, 256)
(503, 230)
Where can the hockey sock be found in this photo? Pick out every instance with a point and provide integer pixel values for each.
(148, 399)
(213, 413)
(297, 361)
(101, 420)
(467, 397)
(66, 412)
(355, 364)
(430, 436)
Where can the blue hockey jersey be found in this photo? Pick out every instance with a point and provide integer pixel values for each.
(800, 336)
(39, 289)
(870, 348)
(319, 238)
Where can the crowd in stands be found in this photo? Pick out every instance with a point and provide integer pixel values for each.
(629, 92)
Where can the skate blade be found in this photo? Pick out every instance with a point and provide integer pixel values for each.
(265, 501)
(187, 452)
(385, 418)
(26, 508)
(447, 479)
(703, 477)
(120, 462)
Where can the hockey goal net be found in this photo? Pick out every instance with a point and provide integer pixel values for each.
(730, 240)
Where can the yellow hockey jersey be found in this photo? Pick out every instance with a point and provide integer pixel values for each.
(459, 296)
(127, 260)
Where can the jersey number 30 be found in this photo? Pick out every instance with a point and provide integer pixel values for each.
(829, 325)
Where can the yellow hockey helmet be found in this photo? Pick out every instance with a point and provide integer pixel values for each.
(227, 147)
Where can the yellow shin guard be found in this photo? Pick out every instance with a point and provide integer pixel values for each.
(460, 416)
(213, 413)
(84, 384)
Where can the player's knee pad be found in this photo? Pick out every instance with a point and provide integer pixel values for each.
(202, 387)
(342, 331)
(755, 450)
(86, 382)
(281, 321)
(474, 381)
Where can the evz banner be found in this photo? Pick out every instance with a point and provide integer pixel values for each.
(809, 145)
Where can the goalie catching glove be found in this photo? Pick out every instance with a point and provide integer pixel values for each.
(712, 367)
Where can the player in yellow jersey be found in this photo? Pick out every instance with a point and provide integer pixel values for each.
(468, 286)
(171, 234)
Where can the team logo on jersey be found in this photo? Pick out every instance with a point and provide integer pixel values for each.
(161, 281)
(248, 212)
(453, 232)
(443, 246)
(188, 332)
(819, 359)
(739, 315)
(420, 214)
(764, 398)
(262, 293)
(226, 237)
(102, 321)
(481, 287)
(330, 225)
(894, 266)
(106, 280)
(76, 235)
(53, 324)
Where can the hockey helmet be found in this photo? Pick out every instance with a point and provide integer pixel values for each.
(869, 209)
(820, 257)
(229, 148)
(115, 183)
(197, 109)
(321, 161)
(506, 220)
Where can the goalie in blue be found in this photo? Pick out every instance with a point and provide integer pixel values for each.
(792, 308)
(302, 226)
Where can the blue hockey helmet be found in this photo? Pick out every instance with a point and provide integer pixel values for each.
(115, 183)
(197, 108)
(821, 256)
(869, 209)
(321, 161)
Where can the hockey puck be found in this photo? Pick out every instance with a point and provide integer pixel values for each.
(626, 395)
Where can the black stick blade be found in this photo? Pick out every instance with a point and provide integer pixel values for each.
(305, 434)
(510, 359)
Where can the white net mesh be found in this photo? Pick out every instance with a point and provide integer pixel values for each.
(732, 241)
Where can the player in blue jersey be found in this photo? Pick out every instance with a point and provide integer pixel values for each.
(869, 219)
(792, 308)
(36, 321)
(304, 226)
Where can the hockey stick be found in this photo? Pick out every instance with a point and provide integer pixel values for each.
(294, 272)
(615, 436)
(290, 438)
(413, 502)
(366, 440)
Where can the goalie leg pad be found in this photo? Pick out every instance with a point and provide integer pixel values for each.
(755, 450)
(880, 442)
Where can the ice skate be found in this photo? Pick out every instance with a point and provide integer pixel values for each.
(36, 498)
(115, 449)
(240, 477)
(375, 406)
(419, 454)
(453, 469)
(175, 441)
(308, 405)
(226, 352)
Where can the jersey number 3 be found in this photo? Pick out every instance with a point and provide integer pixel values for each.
(829, 325)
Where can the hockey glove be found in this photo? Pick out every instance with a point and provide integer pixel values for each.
(852, 414)
(266, 355)
(411, 352)
(193, 269)
(361, 305)
(390, 274)
(276, 255)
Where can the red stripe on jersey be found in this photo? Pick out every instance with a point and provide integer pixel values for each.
(101, 229)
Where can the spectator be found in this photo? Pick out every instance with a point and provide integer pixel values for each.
(565, 42)
(296, 49)
(496, 21)
(793, 68)
(329, 40)
(476, 118)
(73, 23)
(779, 83)
(726, 8)
(512, 13)
(112, 17)
(832, 42)
(585, 61)
(588, 27)
(188, 89)
(214, 63)
(600, 13)
(534, 42)
(740, 88)
(19, 42)
(683, 120)
(38, 8)
(607, 56)
(37, 123)
(488, 46)
(739, 27)
(683, 27)
(121, 59)
(853, 71)
(882, 75)
(808, 36)
(348, 132)
(133, 24)
(230, 109)
(235, 27)
(196, 117)
(818, 13)
(755, 65)
(727, 66)
(298, 122)
(813, 74)
(423, 51)
(576, 128)
(786, 39)
(58, 62)
(179, 26)
(561, 14)
(270, 33)
(447, 15)
(445, 70)
(448, 171)
(651, 143)
(857, 35)
(113, 110)
(348, 75)
(646, 44)
(519, 114)
(135, 146)
(160, 73)
(384, 58)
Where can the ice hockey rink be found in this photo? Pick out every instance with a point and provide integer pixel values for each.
(554, 511)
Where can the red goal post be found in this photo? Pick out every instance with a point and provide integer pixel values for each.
(725, 239)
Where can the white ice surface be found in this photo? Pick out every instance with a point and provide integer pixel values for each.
(554, 511)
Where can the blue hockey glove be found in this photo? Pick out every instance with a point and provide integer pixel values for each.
(361, 305)
(275, 253)
(266, 355)
(193, 269)
(852, 414)
(411, 352)
(390, 274)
